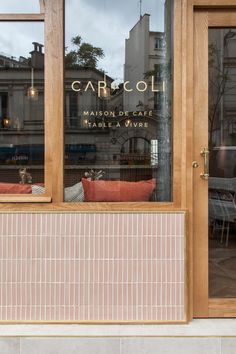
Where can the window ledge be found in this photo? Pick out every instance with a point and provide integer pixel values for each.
(20, 198)
(38, 205)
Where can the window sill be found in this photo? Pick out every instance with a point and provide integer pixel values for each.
(23, 198)
(43, 205)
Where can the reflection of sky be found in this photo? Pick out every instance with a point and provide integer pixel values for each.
(107, 23)
(19, 6)
(103, 23)
(16, 37)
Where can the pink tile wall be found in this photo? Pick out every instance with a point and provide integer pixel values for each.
(98, 267)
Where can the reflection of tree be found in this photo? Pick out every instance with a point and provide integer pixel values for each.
(217, 84)
(160, 71)
(218, 79)
(84, 54)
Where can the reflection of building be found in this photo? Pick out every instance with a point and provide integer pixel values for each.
(222, 92)
(124, 152)
(26, 114)
(78, 102)
(143, 60)
(14, 103)
(15, 79)
(10, 62)
(148, 58)
(128, 151)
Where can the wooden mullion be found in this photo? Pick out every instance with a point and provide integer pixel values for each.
(177, 160)
(200, 222)
(187, 180)
(215, 3)
(42, 6)
(54, 99)
(22, 17)
(222, 18)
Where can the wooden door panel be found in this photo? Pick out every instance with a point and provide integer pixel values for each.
(200, 186)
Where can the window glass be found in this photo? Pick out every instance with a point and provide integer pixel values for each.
(21, 107)
(118, 101)
(17, 6)
(222, 162)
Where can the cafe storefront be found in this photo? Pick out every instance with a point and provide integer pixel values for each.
(117, 161)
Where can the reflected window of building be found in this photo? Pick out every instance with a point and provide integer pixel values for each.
(118, 107)
(71, 114)
(3, 105)
(159, 43)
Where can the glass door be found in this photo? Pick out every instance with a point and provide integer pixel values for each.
(214, 164)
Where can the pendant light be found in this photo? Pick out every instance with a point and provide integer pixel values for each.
(32, 93)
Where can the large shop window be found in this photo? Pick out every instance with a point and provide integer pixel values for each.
(21, 107)
(118, 101)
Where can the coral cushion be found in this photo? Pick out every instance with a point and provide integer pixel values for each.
(118, 191)
(15, 188)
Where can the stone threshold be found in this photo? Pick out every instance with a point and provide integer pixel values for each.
(196, 328)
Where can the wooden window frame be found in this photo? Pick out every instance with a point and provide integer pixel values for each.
(50, 15)
(53, 18)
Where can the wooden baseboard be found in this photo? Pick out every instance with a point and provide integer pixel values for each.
(222, 308)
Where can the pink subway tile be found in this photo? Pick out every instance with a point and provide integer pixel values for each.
(115, 266)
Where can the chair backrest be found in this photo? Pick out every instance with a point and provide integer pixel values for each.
(222, 205)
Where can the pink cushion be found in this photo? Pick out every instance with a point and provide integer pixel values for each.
(118, 191)
(15, 188)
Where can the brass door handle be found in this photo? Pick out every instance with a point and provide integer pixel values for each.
(205, 155)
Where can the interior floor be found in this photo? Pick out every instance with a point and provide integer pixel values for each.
(222, 266)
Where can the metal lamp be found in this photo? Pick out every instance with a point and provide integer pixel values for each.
(32, 92)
